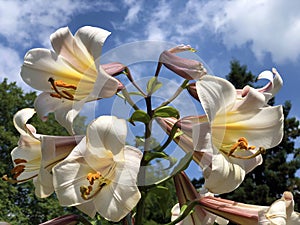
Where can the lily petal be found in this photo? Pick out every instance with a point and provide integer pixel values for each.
(122, 195)
(20, 119)
(107, 133)
(216, 95)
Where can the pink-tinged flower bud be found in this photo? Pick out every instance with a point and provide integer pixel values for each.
(192, 91)
(185, 192)
(187, 68)
(114, 68)
(65, 220)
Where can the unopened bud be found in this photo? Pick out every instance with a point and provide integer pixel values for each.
(187, 68)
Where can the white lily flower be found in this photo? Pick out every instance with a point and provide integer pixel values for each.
(36, 154)
(70, 75)
(101, 172)
(237, 131)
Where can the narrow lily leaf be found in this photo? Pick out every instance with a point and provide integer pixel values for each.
(139, 115)
(153, 85)
(166, 111)
(183, 163)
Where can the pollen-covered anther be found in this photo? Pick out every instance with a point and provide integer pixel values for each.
(242, 143)
(66, 88)
(91, 177)
(19, 161)
(60, 83)
(88, 192)
(85, 191)
(17, 170)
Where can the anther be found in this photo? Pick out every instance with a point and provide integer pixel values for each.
(86, 191)
(64, 93)
(242, 143)
(91, 177)
(18, 161)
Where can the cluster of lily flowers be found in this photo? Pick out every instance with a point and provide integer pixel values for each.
(99, 172)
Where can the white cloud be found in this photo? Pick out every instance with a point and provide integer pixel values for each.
(266, 26)
(133, 11)
(25, 24)
(10, 64)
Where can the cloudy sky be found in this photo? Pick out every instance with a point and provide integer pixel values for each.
(259, 33)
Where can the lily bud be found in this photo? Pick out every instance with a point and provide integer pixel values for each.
(64, 220)
(187, 68)
(114, 68)
(186, 192)
(280, 212)
(193, 91)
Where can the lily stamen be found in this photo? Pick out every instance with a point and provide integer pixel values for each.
(261, 150)
(92, 177)
(64, 93)
(242, 143)
(14, 181)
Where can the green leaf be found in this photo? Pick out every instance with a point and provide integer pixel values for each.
(183, 163)
(166, 111)
(139, 115)
(153, 85)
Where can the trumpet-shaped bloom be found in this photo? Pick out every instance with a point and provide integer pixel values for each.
(101, 172)
(70, 75)
(36, 154)
(237, 131)
(237, 128)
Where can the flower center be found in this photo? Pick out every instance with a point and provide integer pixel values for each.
(17, 171)
(97, 182)
(62, 89)
(242, 144)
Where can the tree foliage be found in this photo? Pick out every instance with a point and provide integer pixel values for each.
(18, 203)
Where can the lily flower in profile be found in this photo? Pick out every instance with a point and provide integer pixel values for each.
(100, 174)
(281, 212)
(70, 75)
(36, 154)
(187, 68)
(229, 139)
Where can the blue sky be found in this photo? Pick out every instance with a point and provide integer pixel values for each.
(260, 33)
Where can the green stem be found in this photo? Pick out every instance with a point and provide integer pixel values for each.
(128, 99)
(142, 173)
(178, 91)
(140, 209)
(128, 74)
